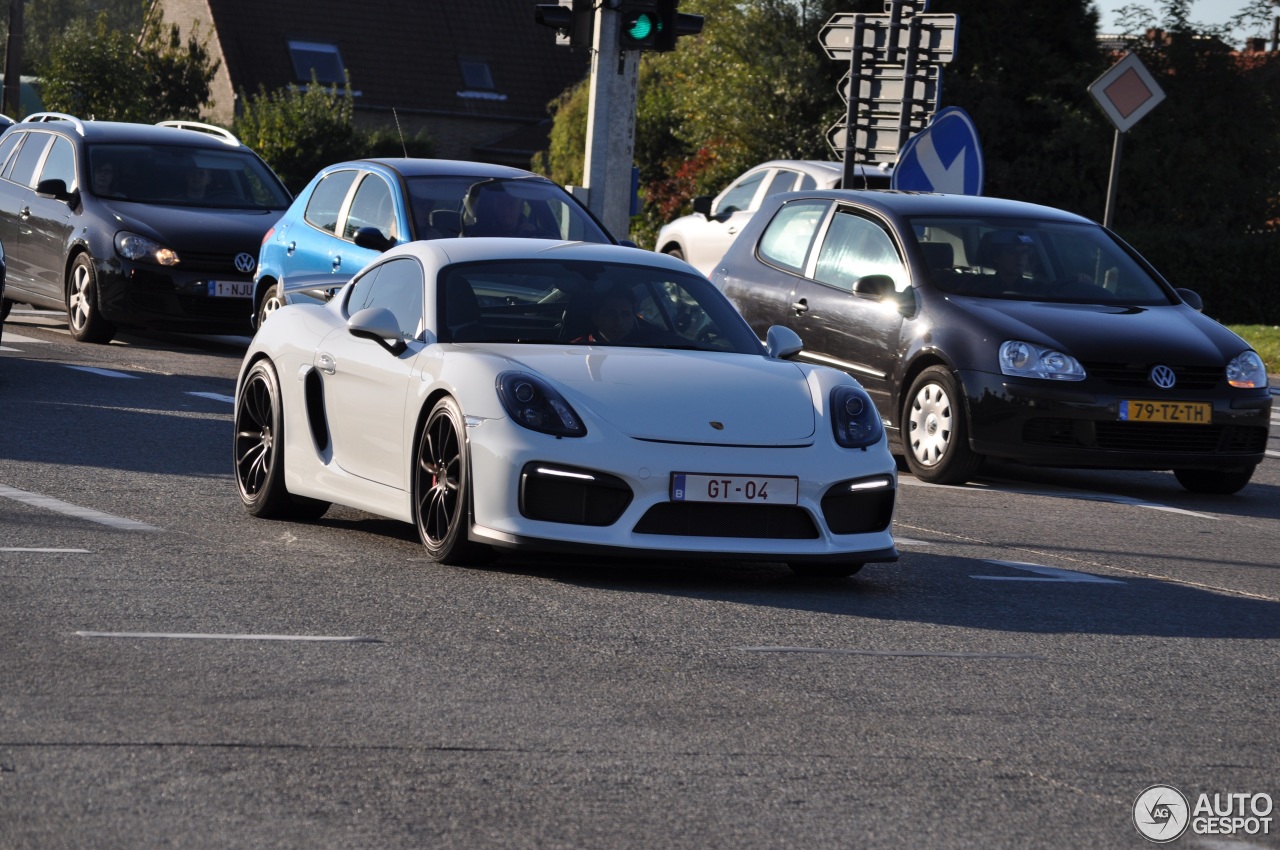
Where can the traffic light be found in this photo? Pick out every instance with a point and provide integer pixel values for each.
(574, 21)
(673, 23)
(638, 23)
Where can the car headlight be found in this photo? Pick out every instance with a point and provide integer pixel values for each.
(854, 419)
(1247, 371)
(536, 405)
(131, 246)
(1031, 361)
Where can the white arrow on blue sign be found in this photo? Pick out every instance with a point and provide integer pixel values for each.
(943, 157)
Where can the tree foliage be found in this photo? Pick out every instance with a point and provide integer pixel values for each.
(99, 72)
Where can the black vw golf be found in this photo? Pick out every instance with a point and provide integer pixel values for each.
(984, 327)
(134, 224)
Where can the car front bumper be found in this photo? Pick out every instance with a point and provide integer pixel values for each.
(175, 299)
(1078, 424)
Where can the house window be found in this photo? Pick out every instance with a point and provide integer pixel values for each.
(322, 59)
(475, 73)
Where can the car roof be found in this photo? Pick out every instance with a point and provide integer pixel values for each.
(823, 170)
(898, 203)
(416, 167)
(120, 131)
(462, 250)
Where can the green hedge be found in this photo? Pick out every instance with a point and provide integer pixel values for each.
(1235, 274)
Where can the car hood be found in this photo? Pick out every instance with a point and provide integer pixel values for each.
(681, 396)
(194, 229)
(1110, 333)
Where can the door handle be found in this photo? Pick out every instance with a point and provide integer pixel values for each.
(801, 306)
(327, 364)
(24, 213)
(337, 262)
(293, 246)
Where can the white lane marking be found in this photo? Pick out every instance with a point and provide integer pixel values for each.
(10, 336)
(1082, 495)
(1047, 574)
(229, 399)
(36, 549)
(890, 653)
(1270, 453)
(51, 504)
(191, 636)
(908, 541)
(106, 373)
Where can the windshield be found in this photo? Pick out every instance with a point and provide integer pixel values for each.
(184, 176)
(554, 302)
(445, 207)
(1031, 260)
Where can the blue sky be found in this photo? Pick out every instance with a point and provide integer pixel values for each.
(1202, 11)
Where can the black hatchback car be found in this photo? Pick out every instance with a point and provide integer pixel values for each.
(984, 327)
(134, 224)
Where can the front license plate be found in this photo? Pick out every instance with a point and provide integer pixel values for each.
(1187, 412)
(752, 489)
(230, 289)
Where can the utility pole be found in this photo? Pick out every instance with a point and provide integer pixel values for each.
(12, 104)
(615, 76)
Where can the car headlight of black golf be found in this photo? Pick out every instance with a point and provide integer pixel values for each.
(1025, 360)
(131, 246)
(1247, 371)
(854, 419)
(536, 405)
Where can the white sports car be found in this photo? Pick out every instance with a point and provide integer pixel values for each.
(560, 396)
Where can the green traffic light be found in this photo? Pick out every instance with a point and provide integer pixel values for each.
(640, 26)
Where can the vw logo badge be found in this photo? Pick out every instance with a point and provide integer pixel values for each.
(245, 262)
(1163, 377)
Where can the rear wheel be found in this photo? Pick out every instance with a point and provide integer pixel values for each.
(674, 252)
(442, 488)
(83, 315)
(1221, 482)
(5, 306)
(935, 431)
(259, 450)
(271, 302)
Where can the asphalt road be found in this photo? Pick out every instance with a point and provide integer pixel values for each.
(177, 674)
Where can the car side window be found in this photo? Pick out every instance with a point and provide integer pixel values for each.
(326, 201)
(7, 146)
(855, 247)
(783, 181)
(372, 206)
(739, 197)
(395, 285)
(24, 166)
(60, 164)
(785, 242)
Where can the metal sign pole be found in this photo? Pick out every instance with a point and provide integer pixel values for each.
(1114, 181)
(852, 105)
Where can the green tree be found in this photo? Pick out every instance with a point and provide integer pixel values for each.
(94, 71)
(298, 131)
(44, 22)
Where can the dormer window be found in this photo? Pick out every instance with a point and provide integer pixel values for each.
(477, 79)
(322, 59)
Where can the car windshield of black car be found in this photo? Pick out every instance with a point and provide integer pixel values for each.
(172, 175)
(1033, 260)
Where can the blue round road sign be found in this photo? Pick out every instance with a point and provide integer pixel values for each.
(943, 157)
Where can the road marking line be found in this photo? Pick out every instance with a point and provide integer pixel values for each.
(229, 399)
(191, 636)
(35, 549)
(891, 653)
(106, 373)
(59, 506)
(1064, 493)
(908, 541)
(10, 336)
(1047, 574)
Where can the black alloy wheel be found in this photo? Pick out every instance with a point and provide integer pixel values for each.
(441, 488)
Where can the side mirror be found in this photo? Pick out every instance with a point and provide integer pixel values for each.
(782, 342)
(372, 238)
(702, 205)
(53, 188)
(875, 286)
(379, 325)
(1192, 299)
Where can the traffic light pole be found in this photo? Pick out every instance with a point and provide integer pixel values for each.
(611, 125)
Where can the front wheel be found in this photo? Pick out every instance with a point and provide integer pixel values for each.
(273, 300)
(1219, 482)
(5, 306)
(442, 488)
(935, 430)
(83, 314)
(674, 251)
(259, 450)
